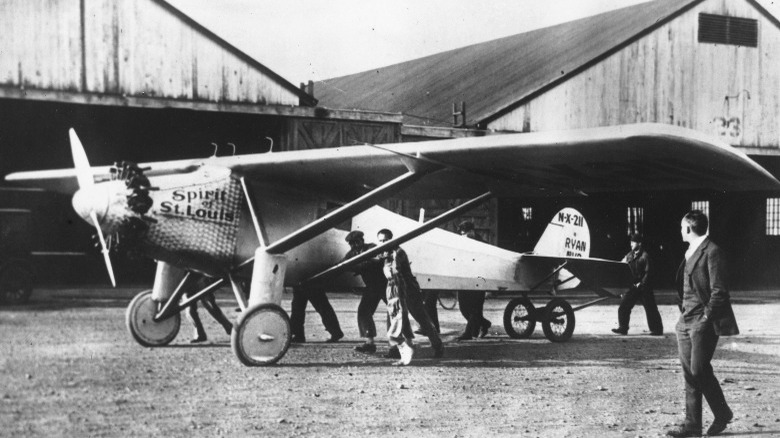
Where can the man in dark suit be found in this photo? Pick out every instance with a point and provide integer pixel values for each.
(706, 315)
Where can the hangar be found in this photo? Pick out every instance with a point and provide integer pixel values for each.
(139, 81)
(709, 65)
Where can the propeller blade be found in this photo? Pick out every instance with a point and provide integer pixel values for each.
(104, 247)
(80, 162)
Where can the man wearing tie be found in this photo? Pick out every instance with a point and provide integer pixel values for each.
(706, 315)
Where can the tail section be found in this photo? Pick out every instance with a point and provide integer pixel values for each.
(566, 235)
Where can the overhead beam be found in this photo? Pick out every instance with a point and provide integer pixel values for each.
(225, 107)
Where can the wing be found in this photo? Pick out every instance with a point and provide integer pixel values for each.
(628, 158)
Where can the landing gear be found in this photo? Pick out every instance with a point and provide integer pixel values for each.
(519, 319)
(140, 322)
(558, 322)
(262, 335)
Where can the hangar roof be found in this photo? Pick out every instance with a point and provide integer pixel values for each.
(495, 76)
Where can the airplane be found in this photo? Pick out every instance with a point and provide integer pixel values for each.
(273, 218)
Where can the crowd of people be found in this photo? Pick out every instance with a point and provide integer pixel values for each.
(704, 303)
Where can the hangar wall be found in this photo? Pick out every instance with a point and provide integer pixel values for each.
(137, 48)
(668, 76)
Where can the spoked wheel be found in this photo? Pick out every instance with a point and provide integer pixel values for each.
(262, 335)
(519, 320)
(142, 326)
(558, 324)
(448, 299)
(15, 284)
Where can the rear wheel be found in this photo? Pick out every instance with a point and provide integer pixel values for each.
(558, 324)
(142, 326)
(519, 320)
(262, 335)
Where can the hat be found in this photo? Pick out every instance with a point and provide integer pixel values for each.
(354, 235)
(636, 237)
(466, 226)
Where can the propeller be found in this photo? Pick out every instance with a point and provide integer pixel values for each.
(86, 181)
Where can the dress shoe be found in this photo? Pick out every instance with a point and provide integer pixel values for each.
(366, 348)
(719, 426)
(464, 337)
(419, 332)
(392, 353)
(298, 339)
(656, 333)
(438, 351)
(620, 331)
(198, 339)
(682, 432)
(334, 338)
(483, 331)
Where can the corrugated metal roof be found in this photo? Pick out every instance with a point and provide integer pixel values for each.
(495, 76)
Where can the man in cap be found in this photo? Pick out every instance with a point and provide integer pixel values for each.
(376, 283)
(639, 261)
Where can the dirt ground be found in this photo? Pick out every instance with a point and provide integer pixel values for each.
(68, 367)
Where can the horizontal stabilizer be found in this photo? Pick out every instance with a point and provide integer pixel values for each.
(592, 272)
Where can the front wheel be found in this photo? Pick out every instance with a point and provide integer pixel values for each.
(558, 324)
(262, 335)
(142, 326)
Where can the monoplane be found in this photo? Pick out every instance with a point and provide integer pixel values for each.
(273, 218)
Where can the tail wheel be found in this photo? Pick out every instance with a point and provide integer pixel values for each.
(142, 326)
(262, 335)
(15, 284)
(558, 324)
(448, 299)
(519, 320)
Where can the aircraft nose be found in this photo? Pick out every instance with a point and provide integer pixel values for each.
(88, 199)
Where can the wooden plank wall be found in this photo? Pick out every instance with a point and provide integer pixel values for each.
(667, 76)
(126, 47)
(317, 133)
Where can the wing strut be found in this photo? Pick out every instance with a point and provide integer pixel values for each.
(422, 229)
(259, 228)
(343, 213)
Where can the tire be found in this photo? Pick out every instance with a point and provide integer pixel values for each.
(558, 324)
(519, 318)
(448, 300)
(143, 328)
(16, 283)
(261, 335)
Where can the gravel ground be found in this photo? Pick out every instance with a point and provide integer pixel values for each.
(68, 367)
